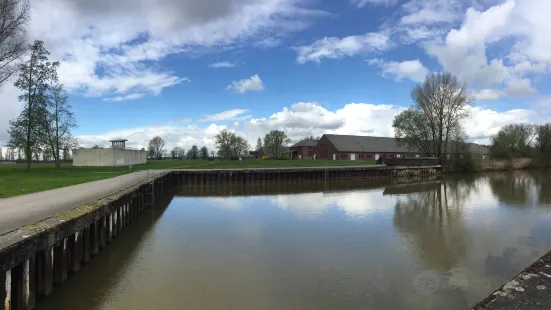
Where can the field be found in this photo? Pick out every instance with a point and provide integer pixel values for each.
(16, 180)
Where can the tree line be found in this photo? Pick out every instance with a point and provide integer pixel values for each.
(43, 129)
(522, 140)
(228, 145)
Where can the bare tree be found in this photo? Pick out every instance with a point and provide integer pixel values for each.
(14, 17)
(274, 141)
(229, 144)
(543, 138)
(58, 121)
(441, 104)
(156, 146)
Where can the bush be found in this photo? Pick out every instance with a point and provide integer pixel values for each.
(284, 157)
(266, 157)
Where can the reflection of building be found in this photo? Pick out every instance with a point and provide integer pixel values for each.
(116, 155)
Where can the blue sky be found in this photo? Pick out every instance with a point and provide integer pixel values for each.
(184, 69)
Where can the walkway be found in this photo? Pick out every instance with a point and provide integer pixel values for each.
(27, 209)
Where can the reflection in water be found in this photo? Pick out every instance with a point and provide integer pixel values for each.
(347, 245)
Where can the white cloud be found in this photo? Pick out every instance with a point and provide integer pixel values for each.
(222, 116)
(254, 83)
(222, 64)
(464, 51)
(333, 47)
(432, 12)
(487, 94)
(125, 98)
(411, 69)
(519, 88)
(362, 3)
(484, 123)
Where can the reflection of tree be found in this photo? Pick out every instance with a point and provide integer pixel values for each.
(432, 222)
(542, 182)
(513, 187)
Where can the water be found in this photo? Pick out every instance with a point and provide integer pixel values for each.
(435, 245)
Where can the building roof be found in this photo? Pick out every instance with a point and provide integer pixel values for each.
(118, 140)
(305, 142)
(369, 144)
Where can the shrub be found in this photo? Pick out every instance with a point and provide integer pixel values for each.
(284, 157)
(266, 157)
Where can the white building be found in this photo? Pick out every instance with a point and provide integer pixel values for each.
(116, 155)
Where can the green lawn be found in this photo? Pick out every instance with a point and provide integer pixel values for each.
(16, 180)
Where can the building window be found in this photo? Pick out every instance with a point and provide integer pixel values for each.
(310, 153)
(344, 156)
(361, 156)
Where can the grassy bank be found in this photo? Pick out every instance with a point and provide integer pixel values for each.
(16, 180)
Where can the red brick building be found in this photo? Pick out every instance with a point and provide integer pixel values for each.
(303, 149)
(345, 147)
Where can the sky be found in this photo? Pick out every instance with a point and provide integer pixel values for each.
(185, 69)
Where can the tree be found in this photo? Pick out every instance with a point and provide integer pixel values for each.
(57, 121)
(193, 153)
(96, 147)
(258, 144)
(229, 144)
(513, 141)
(35, 76)
(412, 128)
(543, 138)
(155, 147)
(440, 106)
(14, 17)
(177, 152)
(204, 152)
(1, 156)
(274, 141)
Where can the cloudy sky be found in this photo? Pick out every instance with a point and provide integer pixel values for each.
(184, 69)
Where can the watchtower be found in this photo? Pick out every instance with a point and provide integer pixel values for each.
(118, 143)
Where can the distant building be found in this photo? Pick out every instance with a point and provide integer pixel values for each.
(117, 155)
(303, 149)
(348, 147)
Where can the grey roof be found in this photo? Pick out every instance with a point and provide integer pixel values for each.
(367, 144)
(306, 142)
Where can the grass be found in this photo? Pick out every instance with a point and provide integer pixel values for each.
(16, 180)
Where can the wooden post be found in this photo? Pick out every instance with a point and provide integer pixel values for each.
(94, 236)
(75, 251)
(86, 246)
(44, 272)
(60, 262)
(5, 289)
(29, 284)
(102, 231)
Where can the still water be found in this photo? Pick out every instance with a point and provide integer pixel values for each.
(440, 244)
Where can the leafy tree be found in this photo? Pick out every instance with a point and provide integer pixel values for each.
(58, 121)
(440, 105)
(155, 147)
(229, 144)
(177, 152)
(35, 76)
(14, 17)
(258, 144)
(1, 156)
(543, 138)
(513, 141)
(204, 152)
(96, 147)
(193, 153)
(274, 141)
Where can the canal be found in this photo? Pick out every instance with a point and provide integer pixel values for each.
(438, 244)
